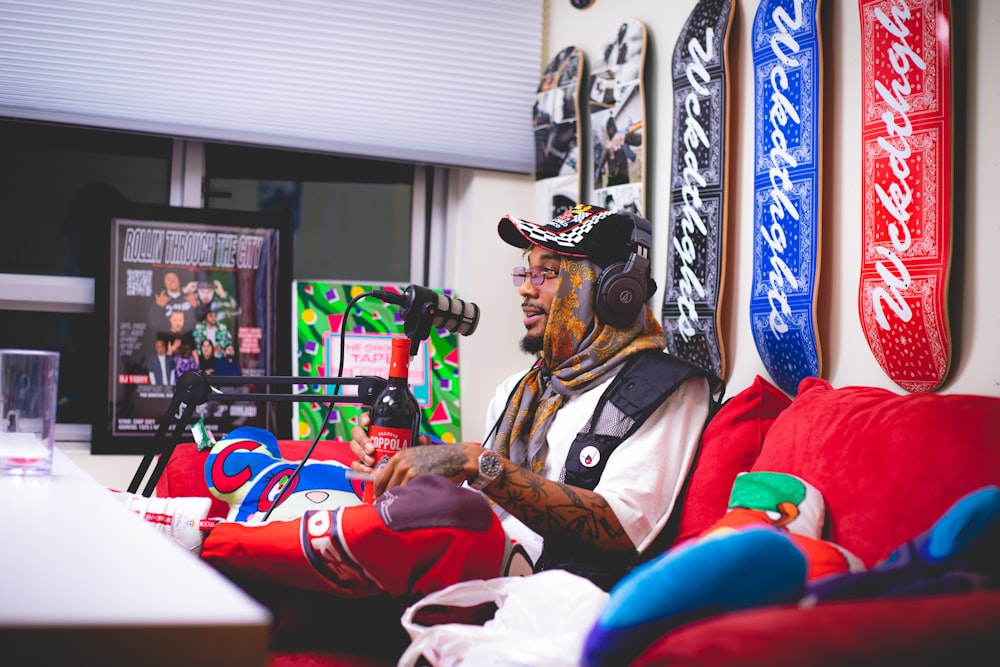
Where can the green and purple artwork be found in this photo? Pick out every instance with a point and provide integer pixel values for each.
(319, 312)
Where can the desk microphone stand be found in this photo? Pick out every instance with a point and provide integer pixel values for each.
(194, 388)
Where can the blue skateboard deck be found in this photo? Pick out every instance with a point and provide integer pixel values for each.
(617, 115)
(555, 116)
(696, 245)
(788, 84)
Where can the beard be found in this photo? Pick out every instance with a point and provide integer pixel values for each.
(532, 344)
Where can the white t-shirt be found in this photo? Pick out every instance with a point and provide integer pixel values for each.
(643, 476)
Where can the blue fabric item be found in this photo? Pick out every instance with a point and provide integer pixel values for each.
(958, 554)
(246, 470)
(737, 570)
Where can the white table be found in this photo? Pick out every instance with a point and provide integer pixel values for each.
(83, 581)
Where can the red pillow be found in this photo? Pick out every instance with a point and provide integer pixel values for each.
(888, 465)
(729, 446)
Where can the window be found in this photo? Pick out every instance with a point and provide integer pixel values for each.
(354, 221)
(57, 184)
(352, 217)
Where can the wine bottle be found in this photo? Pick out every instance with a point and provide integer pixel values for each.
(395, 415)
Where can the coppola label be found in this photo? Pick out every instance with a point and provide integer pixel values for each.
(388, 441)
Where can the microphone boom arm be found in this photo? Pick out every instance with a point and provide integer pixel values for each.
(194, 388)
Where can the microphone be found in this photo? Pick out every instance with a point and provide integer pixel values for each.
(423, 308)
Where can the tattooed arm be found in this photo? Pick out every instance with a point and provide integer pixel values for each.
(549, 508)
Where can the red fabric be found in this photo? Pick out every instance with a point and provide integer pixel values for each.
(729, 446)
(415, 539)
(310, 659)
(888, 465)
(942, 630)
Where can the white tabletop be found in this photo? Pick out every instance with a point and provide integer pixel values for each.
(79, 572)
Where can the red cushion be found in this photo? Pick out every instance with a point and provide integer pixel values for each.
(941, 630)
(888, 465)
(729, 446)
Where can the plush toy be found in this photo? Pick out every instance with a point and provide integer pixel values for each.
(412, 540)
(246, 470)
(751, 558)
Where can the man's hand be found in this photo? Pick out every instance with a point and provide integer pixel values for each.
(456, 461)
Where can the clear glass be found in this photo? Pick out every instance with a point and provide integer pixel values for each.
(28, 384)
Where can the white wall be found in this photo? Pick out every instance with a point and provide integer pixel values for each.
(847, 360)
(478, 263)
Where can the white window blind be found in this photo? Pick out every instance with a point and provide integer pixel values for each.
(446, 82)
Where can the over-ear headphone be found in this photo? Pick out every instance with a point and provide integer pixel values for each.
(622, 288)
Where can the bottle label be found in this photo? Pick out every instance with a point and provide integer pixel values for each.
(388, 441)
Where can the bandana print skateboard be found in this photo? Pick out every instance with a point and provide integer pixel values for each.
(788, 78)
(555, 115)
(696, 251)
(617, 115)
(906, 189)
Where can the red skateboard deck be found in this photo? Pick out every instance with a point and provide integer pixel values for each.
(906, 189)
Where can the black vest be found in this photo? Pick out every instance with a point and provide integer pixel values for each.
(646, 380)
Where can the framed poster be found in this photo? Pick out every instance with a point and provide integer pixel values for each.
(191, 289)
(320, 309)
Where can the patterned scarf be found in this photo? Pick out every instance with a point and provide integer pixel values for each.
(578, 351)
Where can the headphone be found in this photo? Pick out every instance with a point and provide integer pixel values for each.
(622, 288)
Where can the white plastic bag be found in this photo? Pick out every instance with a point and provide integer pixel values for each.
(542, 619)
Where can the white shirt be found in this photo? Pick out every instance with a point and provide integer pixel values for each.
(644, 475)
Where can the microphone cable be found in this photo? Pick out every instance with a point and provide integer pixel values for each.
(328, 404)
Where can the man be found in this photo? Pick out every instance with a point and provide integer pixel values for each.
(424, 531)
(534, 417)
(161, 365)
(212, 297)
(210, 328)
(171, 303)
(227, 364)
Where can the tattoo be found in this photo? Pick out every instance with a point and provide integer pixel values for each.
(444, 460)
(558, 510)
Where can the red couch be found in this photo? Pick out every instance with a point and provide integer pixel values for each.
(887, 465)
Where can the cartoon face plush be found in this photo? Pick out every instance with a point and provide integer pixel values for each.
(246, 470)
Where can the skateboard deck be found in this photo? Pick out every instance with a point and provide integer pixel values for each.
(617, 115)
(788, 84)
(906, 194)
(555, 113)
(696, 246)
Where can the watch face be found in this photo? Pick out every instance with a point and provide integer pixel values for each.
(490, 465)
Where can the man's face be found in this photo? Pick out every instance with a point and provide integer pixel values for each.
(205, 294)
(172, 282)
(536, 300)
(176, 321)
(161, 347)
(210, 317)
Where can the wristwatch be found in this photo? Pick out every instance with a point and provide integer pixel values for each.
(490, 467)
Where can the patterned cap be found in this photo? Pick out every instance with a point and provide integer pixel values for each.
(601, 235)
(574, 232)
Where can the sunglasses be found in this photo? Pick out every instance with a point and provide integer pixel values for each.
(537, 274)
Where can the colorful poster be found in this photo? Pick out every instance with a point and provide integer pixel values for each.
(187, 295)
(319, 320)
